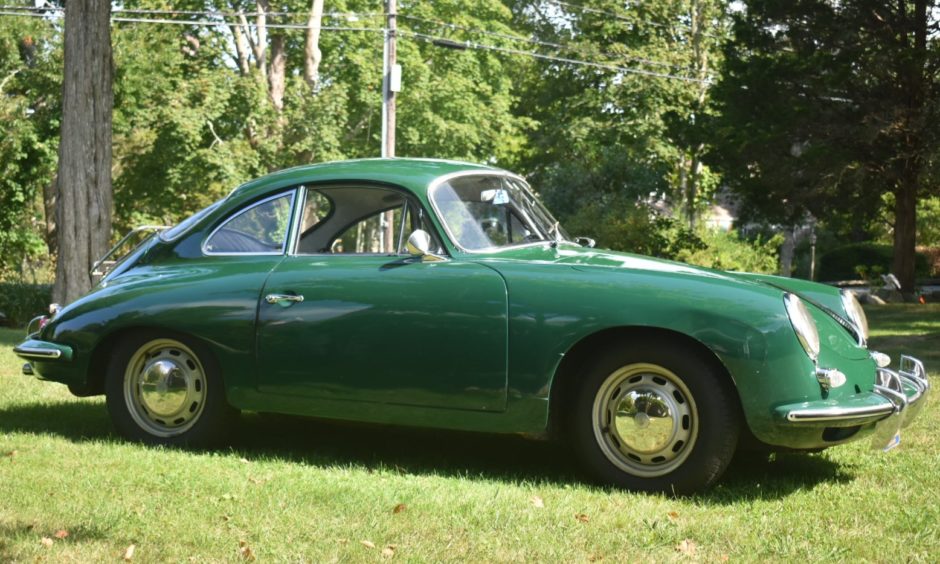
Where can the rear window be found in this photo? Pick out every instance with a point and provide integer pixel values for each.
(183, 226)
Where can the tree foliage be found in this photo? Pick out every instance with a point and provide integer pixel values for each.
(826, 106)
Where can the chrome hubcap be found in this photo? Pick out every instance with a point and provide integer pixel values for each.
(164, 387)
(645, 420)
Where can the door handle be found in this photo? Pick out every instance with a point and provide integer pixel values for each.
(283, 300)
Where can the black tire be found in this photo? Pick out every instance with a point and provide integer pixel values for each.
(679, 419)
(163, 388)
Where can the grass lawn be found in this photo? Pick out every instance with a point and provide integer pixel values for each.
(309, 491)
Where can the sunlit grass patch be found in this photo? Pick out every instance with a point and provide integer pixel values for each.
(299, 490)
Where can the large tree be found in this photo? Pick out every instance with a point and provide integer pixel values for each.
(620, 133)
(83, 208)
(830, 107)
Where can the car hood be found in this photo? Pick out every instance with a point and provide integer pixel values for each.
(581, 257)
(826, 298)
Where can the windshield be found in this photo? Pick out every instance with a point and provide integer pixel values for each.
(488, 211)
(181, 227)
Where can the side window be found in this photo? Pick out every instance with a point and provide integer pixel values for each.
(357, 220)
(377, 233)
(415, 219)
(258, 229)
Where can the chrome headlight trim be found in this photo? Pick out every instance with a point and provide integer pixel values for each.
(856, 315)
(803, 324)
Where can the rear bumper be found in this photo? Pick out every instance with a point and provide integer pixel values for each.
(897, 398)
(34, 349)
(46, 360)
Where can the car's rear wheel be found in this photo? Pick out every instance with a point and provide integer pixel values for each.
(656, 418)
(166, 389)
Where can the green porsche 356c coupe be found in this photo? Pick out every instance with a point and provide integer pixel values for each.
(443, 294)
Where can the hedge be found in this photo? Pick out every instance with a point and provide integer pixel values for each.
(843, 263)
(20, 302)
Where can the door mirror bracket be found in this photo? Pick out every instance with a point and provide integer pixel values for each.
(419, 245)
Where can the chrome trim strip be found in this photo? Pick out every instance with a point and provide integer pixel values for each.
(292, 192)
(296, 220)
(35, 352)
(119, 244)
(841, 413)
(476, 172)
(29, 326)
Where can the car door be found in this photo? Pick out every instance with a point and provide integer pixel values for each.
(349, 316)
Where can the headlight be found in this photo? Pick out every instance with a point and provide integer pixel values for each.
(803, 325)
(856, 314)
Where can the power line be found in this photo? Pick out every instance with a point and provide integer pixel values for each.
(211, 13)
(203, 23)
(615, 15)
(445, 42)
(520, 38)
(441, 41)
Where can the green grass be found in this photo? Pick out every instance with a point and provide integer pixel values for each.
(296, 490)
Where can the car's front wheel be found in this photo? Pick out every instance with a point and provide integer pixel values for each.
(656, 418)
(166, 389)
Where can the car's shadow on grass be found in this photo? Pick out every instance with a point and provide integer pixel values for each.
(407, 451)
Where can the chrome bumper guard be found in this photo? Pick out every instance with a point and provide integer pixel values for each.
(906, 389)
(901, 395)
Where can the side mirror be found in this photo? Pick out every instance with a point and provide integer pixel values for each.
(585, 241)
(419, 245)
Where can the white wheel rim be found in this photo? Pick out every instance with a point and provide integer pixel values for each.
(645, 420)
(164, 387)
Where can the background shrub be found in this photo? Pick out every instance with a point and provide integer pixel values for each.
(852, 261)
(20, 302)
(725, 250)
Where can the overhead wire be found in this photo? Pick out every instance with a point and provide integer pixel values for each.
(479, 46)
(615, 15)
(204, 23)
(208, 13)
(23, 11)
(554, 45)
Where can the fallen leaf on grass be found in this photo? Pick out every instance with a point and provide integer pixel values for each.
(129, 553)
(388, 551)
(537, 501)
(399, 508)
(582, 517)
(46, 541)
(245, 551)
(61, 534)
(687, 547)
(367, 543)
(673, 515)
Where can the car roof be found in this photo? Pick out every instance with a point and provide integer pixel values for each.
(413, 174)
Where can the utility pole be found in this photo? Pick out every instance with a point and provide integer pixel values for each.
(391, 83)
(391, 79)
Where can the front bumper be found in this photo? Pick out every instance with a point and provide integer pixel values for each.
(897, 398)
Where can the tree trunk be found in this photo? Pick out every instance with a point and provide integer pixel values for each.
(48, 208)
(83, 210)
(312, 55)
(786, 252)
(276, 76)
(241, 45)
(911, 167)
(905, 232)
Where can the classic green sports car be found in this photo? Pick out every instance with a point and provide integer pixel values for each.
(443, 294)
